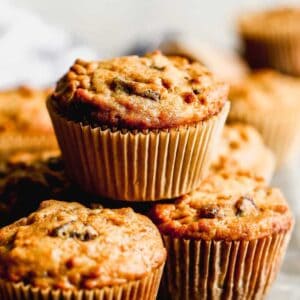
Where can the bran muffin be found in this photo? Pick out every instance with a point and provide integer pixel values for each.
(242, 148)
(271, 39)
(226, 240)
(24, 121)
(131, 126)
(226, 65)
(87, 254)
(269, 101)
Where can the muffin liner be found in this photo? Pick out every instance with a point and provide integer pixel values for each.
(198, 269)
(280, 130)
(271, 49)
(137, 165)
(145, 289)
(10, 143)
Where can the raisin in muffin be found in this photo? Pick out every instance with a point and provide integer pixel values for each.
(225, 240)
(269, 101)
(242, 148)
(65, 250)
(131, 126)
(24, 122)
(271, 38)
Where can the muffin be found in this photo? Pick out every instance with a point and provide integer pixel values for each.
(226, 240)
(87, 254)
(270, 102)
(24, 121)
(272, 39)
(242, 148)
(226, 65)
(25, 181)
(138, 128)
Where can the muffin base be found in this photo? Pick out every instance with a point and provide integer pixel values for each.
(222, 269)
(280, 131)
(145, 289)
(137, 165)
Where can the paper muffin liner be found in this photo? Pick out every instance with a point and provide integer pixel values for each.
(280, 130)
(145, 289)
(270, 49)
(10, 143)
(134, 165)
(198, 269)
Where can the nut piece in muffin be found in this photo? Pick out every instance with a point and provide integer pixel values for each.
(24, 121)
(269, 101)
(271, 38)
(242, 148)
(66, 246)
(154, 119)
(224, 240)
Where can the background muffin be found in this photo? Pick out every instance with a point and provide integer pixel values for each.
(138, 128)
(96, 252)
(24, 121)
(270, 102)
(272, 39)
(242, 148)
(224, 240)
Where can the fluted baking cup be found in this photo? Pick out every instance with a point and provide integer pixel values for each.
(134, 165)
(280, 130)
(198, 269)
(144, 289)
(274, 50)
(10, 143)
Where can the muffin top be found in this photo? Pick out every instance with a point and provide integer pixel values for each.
(242, 148)
(131, 92)
(279, 21)
(80, 248)
(24, 110)
(226, 206)
(267, 90)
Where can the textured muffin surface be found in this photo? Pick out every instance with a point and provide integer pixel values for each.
(267, 90)
(67, 246)
(226, 206)
(23, 110)
(280, 21)
(242, 148)
(149, 92)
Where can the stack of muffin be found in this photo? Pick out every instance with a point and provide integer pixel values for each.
(149, 130)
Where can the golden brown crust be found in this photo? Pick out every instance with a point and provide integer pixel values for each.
(81, 248)
(226, 206)
(282, 21)
(149, 92)
(242, 148)
(266, 90)
(24, 110)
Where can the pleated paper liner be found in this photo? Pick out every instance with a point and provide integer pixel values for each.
(144, 289)
(13, 143)
(222, 269)
(137, 166)
(280, 130)
(269, 49)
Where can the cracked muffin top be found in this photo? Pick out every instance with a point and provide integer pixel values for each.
(149, 92)
(23, 110)
(241, 147)
(278, 21)
(267, 90)
(81, 248)
(226, 206)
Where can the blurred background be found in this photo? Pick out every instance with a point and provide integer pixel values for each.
(59, 31)
(39, 40)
